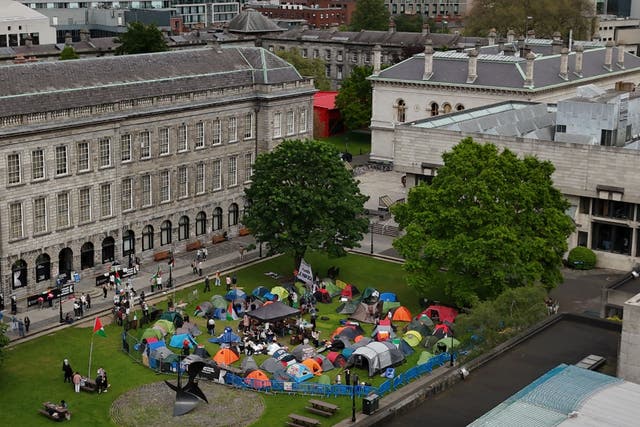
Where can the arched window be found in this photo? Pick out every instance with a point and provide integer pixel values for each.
(108, 250)
(435, 108)
(86, 256)
(43, 267)
(128, 243)
(446, 107)
(233, 214)
(402, 111)
(201, 223)
(183, 228)
(217, 218)
(65, 262)
(165, 233)
(19, 274)
(147, 238)
(459, 107)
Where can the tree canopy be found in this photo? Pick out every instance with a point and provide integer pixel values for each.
(302, 197)
(547, 17)
(370, 15)
(141, 38)
(408, 23)
(354, 98)
(489, 221)
(307, 67)
(68, 53)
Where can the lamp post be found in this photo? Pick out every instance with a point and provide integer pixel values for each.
(60, 301)
(371, 234)
(353, 399)
(451, 349)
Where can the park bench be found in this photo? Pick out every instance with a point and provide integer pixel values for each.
(322, 408)
(244, 231)
(88, 386)
(218, 238)
(301, 421)
(162, 255)
(194, 246)
(55, 412)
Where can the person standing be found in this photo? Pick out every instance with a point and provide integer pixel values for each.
(211, 325)
(200, 268)
(234, 280)
(27, 323)
(185, 347)
(206, 284)
(68, 372)
(88, 299)
(228, 280)
(347, 376)
(218, 278)
(205, 253)
(20, 328)
(104, 291)
(76, 381)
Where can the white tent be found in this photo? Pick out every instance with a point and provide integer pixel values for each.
(376, 356)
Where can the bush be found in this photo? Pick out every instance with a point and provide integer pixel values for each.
(582, 258)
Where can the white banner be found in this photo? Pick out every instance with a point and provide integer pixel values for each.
(304, 273)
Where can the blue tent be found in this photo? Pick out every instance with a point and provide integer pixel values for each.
(235, 294)
(388, 296)
(299, 372)
(220, 313)
(156, 344)
(227, 337)
(262, 294)
(177, 340)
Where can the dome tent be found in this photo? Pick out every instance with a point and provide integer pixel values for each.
(257, 379)
(376, 356)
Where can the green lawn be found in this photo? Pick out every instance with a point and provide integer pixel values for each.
(31, 373)
(354, 142)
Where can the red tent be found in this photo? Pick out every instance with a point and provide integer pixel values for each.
(441, 312)
(347, 292)
(337, 359)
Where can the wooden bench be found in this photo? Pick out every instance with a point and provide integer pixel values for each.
(218, 238)
(194, 246)
(300, 420)
(55, 412)
(89, 386)
(322, 408)
(318, 411)
(162, 255)
(244, 231)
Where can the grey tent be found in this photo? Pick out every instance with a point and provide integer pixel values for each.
(366, 313)
(281, 375)
(205, 308)
(363, 341)
(218, 301)
(376, 356)
(248, 364)
(272, 312)
(348, 307)
(271, 365)
(188, 328)
(405, 348)
(303, 351)
(161, 353)
(326, 363)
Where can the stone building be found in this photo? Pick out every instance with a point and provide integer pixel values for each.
(114, 157)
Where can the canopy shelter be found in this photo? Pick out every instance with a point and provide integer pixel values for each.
(376, 356)
(281, 292)
(273, 312)
(177, 341)
(227, 337)
(218, 301)
(257, 379)
(367, 313)
(299, 372)
(262, 293)
(203, 309)
(226, 356)
(401, 314)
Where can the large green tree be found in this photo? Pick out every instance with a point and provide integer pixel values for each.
(489, 221)
(409, 23)
(307, 67)
(354, 98)
(302, 197)
(370, 15)
(141, 38)
(547, 17)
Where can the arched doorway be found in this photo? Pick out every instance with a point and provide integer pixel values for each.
(86, 256)
(108, 250)
(128, 243)
(183, 228)
(43, 267)
(65, 262)
(19, 274)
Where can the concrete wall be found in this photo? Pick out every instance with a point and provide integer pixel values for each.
(629, 358)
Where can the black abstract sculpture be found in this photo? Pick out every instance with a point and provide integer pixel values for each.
(188, 397)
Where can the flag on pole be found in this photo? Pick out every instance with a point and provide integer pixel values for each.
(231, 313)
(98, 329)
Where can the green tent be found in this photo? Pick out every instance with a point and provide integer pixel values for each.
(331, 287)
(174, 317)
(152, 333)
(412, 338)
(324, 379)
(424, 358)
(448, 342)
(166, 325)
(281, 292)
(218, 301)
(388, 305)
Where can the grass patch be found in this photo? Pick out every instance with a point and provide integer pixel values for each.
(32, 371)
(354, 142)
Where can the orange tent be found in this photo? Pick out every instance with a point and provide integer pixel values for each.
(226, 356)
(313, 366)
(337, 331)
(257, 379)
(401, 315)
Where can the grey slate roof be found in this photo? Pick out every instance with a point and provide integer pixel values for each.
(252, 21)
(506, 72)
(46, 86)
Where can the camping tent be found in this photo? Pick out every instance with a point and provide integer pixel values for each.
(366, 313)
(376, 356)
(235, 294)
(424, 358)
(369, 295)
(248, 364)
(388, 306)
(281, 292)
(323, 296)
(314, 366)
(303, 351)
(273, 312)
(337, 359)
(423, 325)
(442, 330)
(152, 333)
(333, 290)
(262, 293)
(441, 312)
(348, 331)
(218, 301)
(227, 337)
(413, 338)
(444, 344)
(283, 356)
(383, 332)
(203, 309)
(299, 372)
(189, 328)
(172, 316)
(401, 314)
(226, 356)
(404, 347)
(166, 325)
(202, 352)
(348, 307)
(324, 379)
(388, 296)
(324, 362)
(220, 313)
(178, 340)
(271, 365)
(257, 379)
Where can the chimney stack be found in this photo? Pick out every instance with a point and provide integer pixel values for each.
(564, 64)
(620, 62)
(473, 66)
(556, 46)
(67, 39)
(28, 41)
(500, 44)
(428, 60)
(492, 37)
(377, 59)
(557, 36)
(85, 35)
(426, 29)
(511, 36)
(521, 46)
(392, 26)
(529, 73)
(579, 54)
(608, 55)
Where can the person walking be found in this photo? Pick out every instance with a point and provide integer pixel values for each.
(77, 379)
(27, 323)
(205, 253)
(68, 372)
(217, 278)
(207, 288)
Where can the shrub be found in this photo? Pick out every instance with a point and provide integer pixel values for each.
(582, 258)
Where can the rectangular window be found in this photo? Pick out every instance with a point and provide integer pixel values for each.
(248, 126)
(105, 152)
(327, 54)
(232, 178)
(61, 160)
(291, 122)
(125, 148)
(146, 190)
(182, 138)
(612, 209)
(39, 215)
(37, 164)
(183, 182)
(145, 145)
(217, 174)
(15, 221)
(585, 205)
(165, 194)
(217, 132)
(13, 168)
(84, 203)
(62, 210)
(83, 156)
(303, 120)
(233, 129)
(327, 70)
(277, 125)
(105, 200)
(561, 128)
(199, 135)
(248, 166)
(164, 141)
(339, 72)
(127, 194)
(200, 178)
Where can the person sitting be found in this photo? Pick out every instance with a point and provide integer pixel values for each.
(68, 319)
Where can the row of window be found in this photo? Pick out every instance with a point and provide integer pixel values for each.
(290, 123)
(401, 109)
(185, 184)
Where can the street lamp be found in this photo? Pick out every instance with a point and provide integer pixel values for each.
(451, 349)
(60, 300)
(353, 398)
(371, 234)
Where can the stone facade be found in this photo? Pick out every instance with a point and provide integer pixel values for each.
(128, 191)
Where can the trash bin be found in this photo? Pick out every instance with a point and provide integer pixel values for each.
(370, 404)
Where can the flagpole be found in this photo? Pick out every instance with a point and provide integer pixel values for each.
(90, 355)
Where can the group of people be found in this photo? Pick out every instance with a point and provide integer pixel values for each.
(80, 305)
(74, 377)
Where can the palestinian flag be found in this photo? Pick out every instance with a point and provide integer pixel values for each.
(198, 311)
(98, 329)
(231, 313)
(118, 281)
